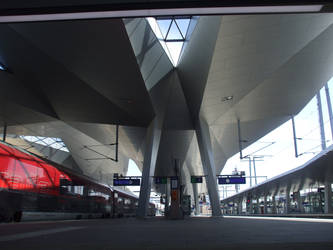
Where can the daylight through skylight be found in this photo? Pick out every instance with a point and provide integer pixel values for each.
(56, 143)
(172, 33)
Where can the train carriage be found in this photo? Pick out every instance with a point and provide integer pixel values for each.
(32, 188)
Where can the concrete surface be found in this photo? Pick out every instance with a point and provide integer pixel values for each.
(158, 233)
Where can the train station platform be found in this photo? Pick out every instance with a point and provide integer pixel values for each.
(159, 233)
(321, 216)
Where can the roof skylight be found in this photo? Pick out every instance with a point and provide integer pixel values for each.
(171, 32)
(55, 143)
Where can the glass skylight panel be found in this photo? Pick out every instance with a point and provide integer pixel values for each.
(41, 142)
(31, 138)
(174, 33)
(164, 26)
(154, 26)
(183, 25)
(48, 141)
(171, 33)
(175, 49)
(55, 143)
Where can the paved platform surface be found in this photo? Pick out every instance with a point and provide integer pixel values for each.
(328, 216)
(158, 233)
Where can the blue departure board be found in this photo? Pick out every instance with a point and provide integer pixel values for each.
(232, 180)
(126, 182)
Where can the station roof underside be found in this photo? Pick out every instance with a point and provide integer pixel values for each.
(79, 80)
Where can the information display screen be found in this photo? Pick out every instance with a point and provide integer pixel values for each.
(126, 182)
(196, 179)
(174, 182)
(232, 180)
(161, 180)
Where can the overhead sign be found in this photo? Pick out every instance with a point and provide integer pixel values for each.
(126, 182)
(161, 180)
(196, 179)
(174, 182)
(232, 180)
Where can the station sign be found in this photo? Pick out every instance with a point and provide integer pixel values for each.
(232, 179)
(161, 180)
(126, 182)
(174, 182)
(196, 179)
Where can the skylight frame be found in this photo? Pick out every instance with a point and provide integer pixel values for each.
(52, 142)
(173, 54)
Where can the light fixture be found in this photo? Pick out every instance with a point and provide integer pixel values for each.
(2, 67)
(227, 98)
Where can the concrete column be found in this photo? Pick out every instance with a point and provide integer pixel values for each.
(258, 206)
(207, 158)
(196, 199)
(167, 197)
(328, 198)
(240, 206)
(287, 205)
(265, 204)
(297, 196)
(175, 209)
(273, 204)
(151, 149)
(251, 206)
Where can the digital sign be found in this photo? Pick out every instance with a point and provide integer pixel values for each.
(126, 182)
(232, 180)
(174, 182)
(161, 180)
(196, 179)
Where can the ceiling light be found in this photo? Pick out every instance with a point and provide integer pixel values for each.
(227, 98)
(2, 67)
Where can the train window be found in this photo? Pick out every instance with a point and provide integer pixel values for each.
(78, 190)
(120, 199)
(99, 194)
(127, 201)
(115, 195)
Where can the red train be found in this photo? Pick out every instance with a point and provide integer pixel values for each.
(32, 188)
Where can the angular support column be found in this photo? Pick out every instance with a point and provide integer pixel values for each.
(196, 199)
(258, 206)
(240, 207)
(299, 201)
(273, 204)
(251, 206)
(167, 197)
(149, 162)
(287, 205)
(265, 204)
(328, 198)
(207, 158)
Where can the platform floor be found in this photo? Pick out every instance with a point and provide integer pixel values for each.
(328, 216)
(158, 233)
